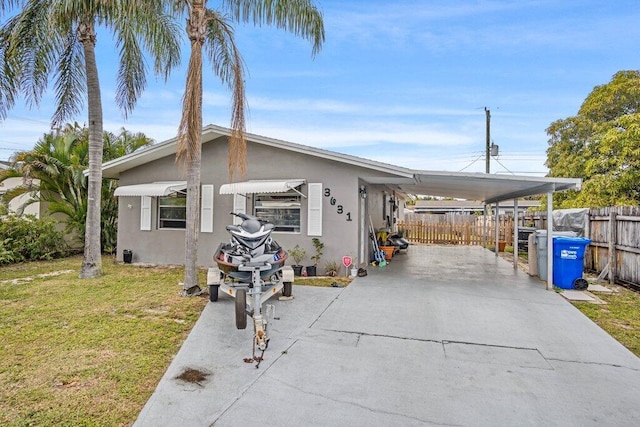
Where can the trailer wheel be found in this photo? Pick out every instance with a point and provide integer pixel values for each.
(286, 290)
(241, 308)
(213, 293)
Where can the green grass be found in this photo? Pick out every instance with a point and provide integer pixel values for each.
(620, 317)
(321, 281)
(87, 352)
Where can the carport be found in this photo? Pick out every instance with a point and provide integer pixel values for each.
(490, 189)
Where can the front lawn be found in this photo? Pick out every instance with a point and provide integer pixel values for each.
(87, 352)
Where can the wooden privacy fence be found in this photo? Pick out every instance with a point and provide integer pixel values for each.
(615, 242)
(614, 250)
(457, 232)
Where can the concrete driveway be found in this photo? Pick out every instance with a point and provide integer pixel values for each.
(440, 336)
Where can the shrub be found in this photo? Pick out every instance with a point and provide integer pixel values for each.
(318, 245)
(298, 254)
(30, 239)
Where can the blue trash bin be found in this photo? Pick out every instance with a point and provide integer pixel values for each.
(568, 261)
(541, 249)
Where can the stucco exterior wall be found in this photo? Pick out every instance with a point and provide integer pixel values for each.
(340, 183)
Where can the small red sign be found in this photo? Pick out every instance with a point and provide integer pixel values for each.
(346, 261)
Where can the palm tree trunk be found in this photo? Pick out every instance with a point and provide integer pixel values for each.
(191, 233)
(190, 145)
(92, 260)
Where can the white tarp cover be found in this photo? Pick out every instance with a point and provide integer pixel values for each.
(155, 189)
(261, 186)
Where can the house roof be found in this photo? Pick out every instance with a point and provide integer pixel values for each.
(113, 168)
(471, 186)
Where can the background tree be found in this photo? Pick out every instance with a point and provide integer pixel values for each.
(47, 38)
(53, 174)
(601, 145)
(212, 31)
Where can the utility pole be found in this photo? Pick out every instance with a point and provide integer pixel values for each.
(488, 114)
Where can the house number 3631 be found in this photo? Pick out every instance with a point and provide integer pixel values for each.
(333, 202)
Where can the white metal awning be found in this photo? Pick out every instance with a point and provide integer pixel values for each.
(155, 189)
(261, 186)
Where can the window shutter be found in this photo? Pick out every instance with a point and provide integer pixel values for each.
(206, 209)
(239, 206)
(145, 213)
(314, 209)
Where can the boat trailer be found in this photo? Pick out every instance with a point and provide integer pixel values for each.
(250, 296)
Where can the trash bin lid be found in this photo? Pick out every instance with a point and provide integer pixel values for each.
(570, 240)
(557, 233)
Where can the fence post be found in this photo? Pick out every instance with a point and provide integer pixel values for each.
(613, 263)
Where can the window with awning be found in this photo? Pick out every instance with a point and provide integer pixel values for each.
(171, 204)
(275, 200)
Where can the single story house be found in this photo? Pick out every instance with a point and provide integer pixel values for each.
(305, 191)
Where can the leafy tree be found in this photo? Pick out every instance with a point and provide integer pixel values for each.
(46, 38)
(53, 173)
(601, 145)
(211, 30)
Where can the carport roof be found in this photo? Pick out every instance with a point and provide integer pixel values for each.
(486, 188)
(477, 186)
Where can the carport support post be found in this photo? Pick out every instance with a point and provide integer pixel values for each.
(497, 227)
(484, 227)
(550, 241)
(515, 234)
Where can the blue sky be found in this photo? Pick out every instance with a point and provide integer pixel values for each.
(404, 82)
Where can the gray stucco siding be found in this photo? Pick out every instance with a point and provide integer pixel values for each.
(264, 162)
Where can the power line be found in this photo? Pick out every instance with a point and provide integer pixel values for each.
(27, 119)
(475, 160)
(507, 169)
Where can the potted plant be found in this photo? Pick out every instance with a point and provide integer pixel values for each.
(298, 254)
(331, 268)
(354, 266)
(318, 245)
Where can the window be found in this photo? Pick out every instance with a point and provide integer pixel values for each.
(172, 211)
(281, 209)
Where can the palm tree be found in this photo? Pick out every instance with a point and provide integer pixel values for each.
(213, 31)
(53, 173)
(123, 143)
(57, 38)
